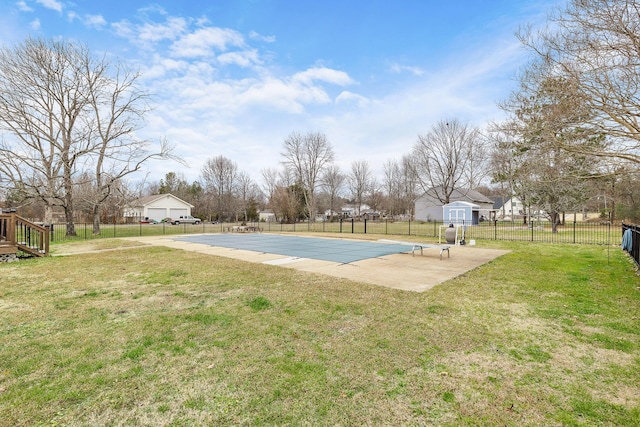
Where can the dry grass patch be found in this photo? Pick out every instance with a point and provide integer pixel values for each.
(155, 336)
(85, 246)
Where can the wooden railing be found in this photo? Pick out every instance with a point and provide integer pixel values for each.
(20, 234)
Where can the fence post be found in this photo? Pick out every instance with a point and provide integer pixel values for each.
(409, 226)
(365, 226)
(352, 225)
(46, 238)
(532, 228)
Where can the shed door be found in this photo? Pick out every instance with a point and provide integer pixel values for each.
(457, 216)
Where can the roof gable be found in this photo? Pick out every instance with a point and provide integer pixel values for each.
(147, 200)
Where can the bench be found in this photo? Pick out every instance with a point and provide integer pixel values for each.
(421, 246)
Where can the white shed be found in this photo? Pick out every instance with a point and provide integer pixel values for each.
(461, 213)
(158, 207)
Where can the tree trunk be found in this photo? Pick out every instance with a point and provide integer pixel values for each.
(48, 214)
(68, 201)
(96, 219)
(555, 220)
(68, 215)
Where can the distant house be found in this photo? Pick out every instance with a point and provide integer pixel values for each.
(267, 216)
(372, 215)
(428, 207)
(508, 207)
(157, 208)
(354, 211)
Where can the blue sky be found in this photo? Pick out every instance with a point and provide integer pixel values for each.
(235, 77)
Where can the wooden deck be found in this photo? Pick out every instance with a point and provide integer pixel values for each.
(18, 234)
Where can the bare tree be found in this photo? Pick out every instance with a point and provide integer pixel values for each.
(443, 158)
(550, 179)
(118, 107)
(219, 176)
(534, 162)
(374, 197)
(333, 181)
(43, 95)
(504, 165)
(65, 110)
(270, 181)
(360, 182)
(307, 156)
(246, 193)
(399, 186)
(593, 48)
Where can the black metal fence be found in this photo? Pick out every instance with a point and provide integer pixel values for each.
(631, 241)
(572, 233)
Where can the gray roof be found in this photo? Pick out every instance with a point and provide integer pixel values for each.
(464, 195)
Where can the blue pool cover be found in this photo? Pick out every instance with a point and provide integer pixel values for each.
(327, 249)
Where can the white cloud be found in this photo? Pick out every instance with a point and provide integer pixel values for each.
(397, 68)
(322, 74)
(278, 94)
(51, 4)
(259, 37)
(350, 98)
(124, 29)
(160, 67)
(72, 16)
(245, 114)
(35, 24)
(94, 21)
(244, 58)
(203, 42)
(153, 8)
(24, 7)
(170, 30)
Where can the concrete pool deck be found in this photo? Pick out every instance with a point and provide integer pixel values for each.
(398, 271)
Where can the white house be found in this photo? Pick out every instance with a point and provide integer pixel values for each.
(158, 207)
(508, 207)
(428, 207)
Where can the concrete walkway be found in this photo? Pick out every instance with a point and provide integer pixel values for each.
(398, 271)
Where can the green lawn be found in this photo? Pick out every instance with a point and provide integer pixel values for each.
(546, 335)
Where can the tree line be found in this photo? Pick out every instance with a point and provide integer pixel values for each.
(569, 142)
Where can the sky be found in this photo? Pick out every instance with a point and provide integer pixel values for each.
(236, 77)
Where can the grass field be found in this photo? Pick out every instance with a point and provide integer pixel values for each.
(545, 335)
